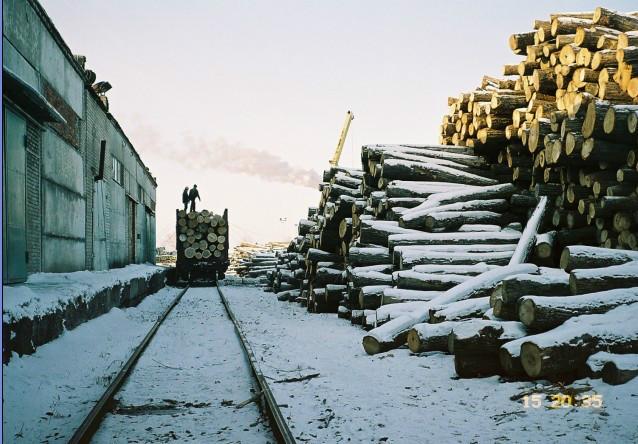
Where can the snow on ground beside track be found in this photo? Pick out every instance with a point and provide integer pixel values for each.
(398, 398)
(46, 292)
(48, 394)
(186, 384)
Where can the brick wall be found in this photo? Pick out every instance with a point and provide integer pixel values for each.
(33, 204)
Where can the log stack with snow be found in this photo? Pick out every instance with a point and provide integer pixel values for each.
(489, 246)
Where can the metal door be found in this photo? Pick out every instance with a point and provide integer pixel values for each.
(14, 245)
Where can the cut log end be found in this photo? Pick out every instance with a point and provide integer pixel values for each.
(531, 359)
(526, 312)
(372, 346)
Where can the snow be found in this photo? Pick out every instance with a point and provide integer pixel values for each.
(194, 358)
(597, 361)
(400, 398)
(48, 394)
(46, 292)
(479, 227)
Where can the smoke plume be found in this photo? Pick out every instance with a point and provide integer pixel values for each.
(237, 159)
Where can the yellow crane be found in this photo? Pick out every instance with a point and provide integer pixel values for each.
(342, 139)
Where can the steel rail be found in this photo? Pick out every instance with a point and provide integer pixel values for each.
(278, 423)
(91, 423)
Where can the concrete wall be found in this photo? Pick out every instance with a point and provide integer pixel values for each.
(74, 221)
(64, 212)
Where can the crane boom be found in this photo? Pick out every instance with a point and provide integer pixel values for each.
(342, 138)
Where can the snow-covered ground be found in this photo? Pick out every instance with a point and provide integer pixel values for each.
(399, 398)
(188, 381)
(46, 292)
(46, 395)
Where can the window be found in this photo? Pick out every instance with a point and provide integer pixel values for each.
(118, 171)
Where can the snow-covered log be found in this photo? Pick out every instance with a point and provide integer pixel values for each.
(358, 256)
(412, 280)
(377, 232)
(460, 310)
(565, 349)
(371, 296)
(417, 257)
(528, 238)
(542, 313)
(588, 280)
(416, 218)
(430, 337)
(458, 238)
(475, 345)
(397, 295)
(580, 256)
(548, 282)
(467, 270)
(364, 278)
(454, 219)
(613, 368)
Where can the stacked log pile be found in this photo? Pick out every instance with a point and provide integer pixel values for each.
(457, 247)
(564, 123)
(201, 233)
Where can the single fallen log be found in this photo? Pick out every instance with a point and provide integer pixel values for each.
(588, 280)
(397, 295)
(288, 295)
(460, 310)
(364, 278)
(580, 256)
(528, 238)
(417, 257)
(466, 270)
(554, 355)
(324, 276)
(377, 232)
(412, 280)
(402, 188)
(316, 255)
(615, 369)
(454, 219)
(549, 282)
(370, 297)
(542, 313)
(475, 345)
(430, 337)
(458, 238)
(358, 256)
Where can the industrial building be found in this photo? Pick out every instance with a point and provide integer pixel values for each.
(76, 194)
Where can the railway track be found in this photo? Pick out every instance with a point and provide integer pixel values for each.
(106, 403)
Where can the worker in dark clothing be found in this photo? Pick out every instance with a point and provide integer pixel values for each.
(192, 195)
(185, 198)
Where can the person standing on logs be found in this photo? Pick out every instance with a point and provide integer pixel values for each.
(192, 195)
(185, 198)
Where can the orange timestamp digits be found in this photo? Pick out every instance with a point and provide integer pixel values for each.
(563, 400)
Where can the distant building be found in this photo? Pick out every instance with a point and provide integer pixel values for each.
(76, 194)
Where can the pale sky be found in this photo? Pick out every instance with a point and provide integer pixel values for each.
(226, 93)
